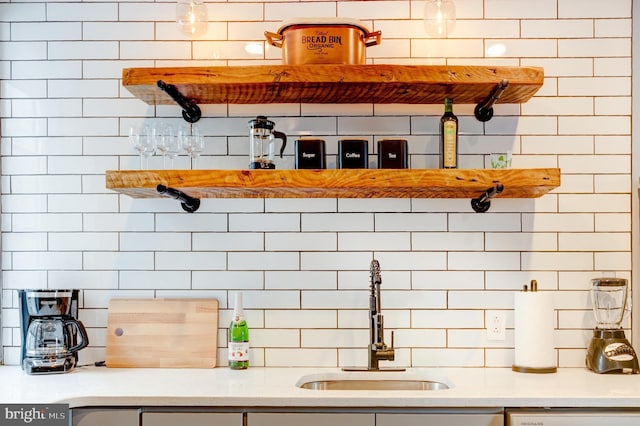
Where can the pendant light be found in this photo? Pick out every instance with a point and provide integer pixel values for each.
(191, 16)
(439, 17)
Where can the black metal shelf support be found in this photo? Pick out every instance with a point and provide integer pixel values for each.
(189, 204)
(191, 112)
(484, 110)
(483, 202)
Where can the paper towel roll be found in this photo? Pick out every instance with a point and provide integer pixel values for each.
(534, 329)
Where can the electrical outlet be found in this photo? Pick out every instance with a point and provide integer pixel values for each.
(496, 325)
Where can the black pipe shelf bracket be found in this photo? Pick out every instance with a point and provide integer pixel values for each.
(484, 110)
(483, 202)
(189, 204)
(191, 112)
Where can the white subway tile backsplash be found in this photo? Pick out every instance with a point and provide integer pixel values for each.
(277, 357)
(613, 27)
(24, 165)
(47, 260)
(23, 50)
(274, 222)
(600, 203)
(83, 241)
(594, 86)
(561, 28)
(154, 280)
(594, 9)
(337, 222)
(263, 261)
(380, 241)
(304, 263)
(116, 260)
(609, 47)
(194, 261)
(16, 241)
(617, 261)
(560, 261)
(612, 222)
(155, 241)
(611, 67)
(439, 241)
(82, 12)
(34, 31)
(326, 319)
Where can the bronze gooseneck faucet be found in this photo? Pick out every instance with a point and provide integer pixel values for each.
(378, 350)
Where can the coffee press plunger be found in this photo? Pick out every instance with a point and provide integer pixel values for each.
(262, 141)
(609, 350)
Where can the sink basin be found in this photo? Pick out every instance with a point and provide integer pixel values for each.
(372, 381)
(358, 384)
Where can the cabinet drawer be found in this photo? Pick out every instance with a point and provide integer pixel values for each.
(191, 419)
(104, 417)
(440, 419)
(311, 419)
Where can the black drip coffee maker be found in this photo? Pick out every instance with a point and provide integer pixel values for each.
(51, 333)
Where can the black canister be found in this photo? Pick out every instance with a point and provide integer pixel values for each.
(392, 154)
(310, 154)
(353, 154)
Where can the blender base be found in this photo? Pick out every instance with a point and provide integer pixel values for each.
(610, 352)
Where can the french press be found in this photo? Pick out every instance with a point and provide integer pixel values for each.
(262, 140)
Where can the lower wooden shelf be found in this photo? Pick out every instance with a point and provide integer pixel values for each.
(336, 183)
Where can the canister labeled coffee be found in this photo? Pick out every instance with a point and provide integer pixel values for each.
(353, 154)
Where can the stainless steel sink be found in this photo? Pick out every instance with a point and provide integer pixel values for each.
(382, 384)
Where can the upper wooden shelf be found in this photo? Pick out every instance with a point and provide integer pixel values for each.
(262, 84)
(336, 183)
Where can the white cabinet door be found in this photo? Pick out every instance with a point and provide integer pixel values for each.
(311, 419)
(190, 419)
(440, 419)
(104, 417)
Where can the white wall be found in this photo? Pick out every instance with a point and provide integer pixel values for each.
(303, 264)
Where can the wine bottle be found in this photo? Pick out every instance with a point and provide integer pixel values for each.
(238, 338)
(448, 137)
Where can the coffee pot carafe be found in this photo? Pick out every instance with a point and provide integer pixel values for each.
(51, 334)
(262, 142)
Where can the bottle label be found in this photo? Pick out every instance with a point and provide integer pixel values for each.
(450, 147)
(238, 351)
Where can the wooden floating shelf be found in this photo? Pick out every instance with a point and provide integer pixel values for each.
(336, 183)
(264, 84)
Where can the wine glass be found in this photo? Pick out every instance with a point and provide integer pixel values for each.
(143, 143)
(148, 143)
(165, 138)
(193, 145)
(174, 147)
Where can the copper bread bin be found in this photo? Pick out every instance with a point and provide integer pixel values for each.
(323, 41)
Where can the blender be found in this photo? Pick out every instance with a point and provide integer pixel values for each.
(609, 350)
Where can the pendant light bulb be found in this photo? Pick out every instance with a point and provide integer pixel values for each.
(439, 17)
(191, 16)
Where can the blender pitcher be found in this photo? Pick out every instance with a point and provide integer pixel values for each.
(262, 141)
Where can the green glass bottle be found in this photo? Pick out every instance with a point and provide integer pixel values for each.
(448, 137)
(238, 338)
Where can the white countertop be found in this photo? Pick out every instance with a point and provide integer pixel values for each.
(276, 387)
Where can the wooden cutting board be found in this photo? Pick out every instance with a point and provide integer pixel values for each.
(168, 333)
